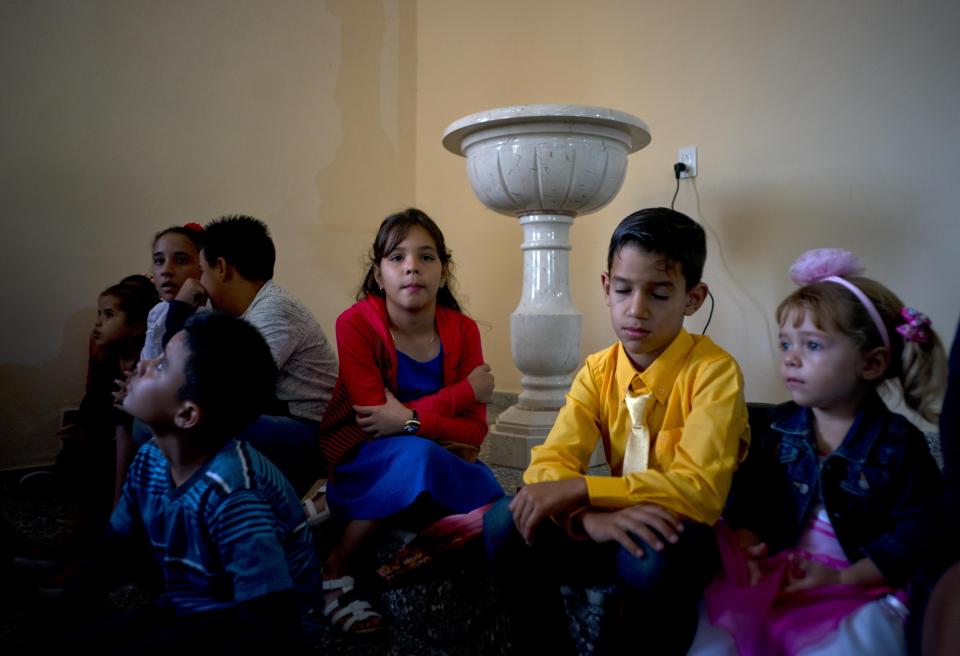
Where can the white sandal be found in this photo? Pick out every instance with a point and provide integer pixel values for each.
(316, 517)
(344, 616)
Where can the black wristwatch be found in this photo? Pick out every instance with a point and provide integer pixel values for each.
(412, 425)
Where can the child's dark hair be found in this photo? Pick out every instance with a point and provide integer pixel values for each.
(678, 238)
(135, 298)
(194, 233)
(244, 242)
(919, 367)
(394, 230)
(143, 282)
(229, 372)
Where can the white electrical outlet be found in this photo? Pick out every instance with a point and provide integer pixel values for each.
(688, 156)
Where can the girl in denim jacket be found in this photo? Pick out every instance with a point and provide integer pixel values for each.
(828, 510)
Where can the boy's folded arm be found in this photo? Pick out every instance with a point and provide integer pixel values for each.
(713, 438)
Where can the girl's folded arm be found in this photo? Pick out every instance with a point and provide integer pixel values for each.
(468, 427)
(356, 348)
(458, 397)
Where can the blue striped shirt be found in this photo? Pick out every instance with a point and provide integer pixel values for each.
(233, 532)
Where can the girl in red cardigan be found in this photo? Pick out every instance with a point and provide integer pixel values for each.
(405, 425)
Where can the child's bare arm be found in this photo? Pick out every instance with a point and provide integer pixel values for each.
(539, 501)
(120, 393)
(641, 520)
(125, 450)
(754, 550)
(805, 574)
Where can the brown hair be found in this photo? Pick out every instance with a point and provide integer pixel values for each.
(920, 368)
(393, 230)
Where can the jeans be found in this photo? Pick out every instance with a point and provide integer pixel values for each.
(660, 591)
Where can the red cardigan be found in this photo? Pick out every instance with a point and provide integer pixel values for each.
(368, 363)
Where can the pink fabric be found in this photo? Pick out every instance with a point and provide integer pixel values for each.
(830, 265)
(867, 303)
(818, 538)
(765, 622)
(815, 265)
(447, 534)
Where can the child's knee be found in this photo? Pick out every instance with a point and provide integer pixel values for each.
(688, 564)
(499, 531)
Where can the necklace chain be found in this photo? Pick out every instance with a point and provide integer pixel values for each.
(433, 338)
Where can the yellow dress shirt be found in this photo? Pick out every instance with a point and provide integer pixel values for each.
(697, 421)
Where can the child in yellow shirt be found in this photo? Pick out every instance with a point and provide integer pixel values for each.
(669, 410)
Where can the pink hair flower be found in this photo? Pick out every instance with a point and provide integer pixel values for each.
(820, 263)
(916, 326)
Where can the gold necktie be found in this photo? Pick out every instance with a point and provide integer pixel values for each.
(637, 454)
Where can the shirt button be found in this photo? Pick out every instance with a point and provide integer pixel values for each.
(802, 488)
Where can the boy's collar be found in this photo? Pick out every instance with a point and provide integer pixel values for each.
(264, 289)
(662, 372)
(176, 491)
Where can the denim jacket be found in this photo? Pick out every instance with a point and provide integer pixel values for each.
(876, 486)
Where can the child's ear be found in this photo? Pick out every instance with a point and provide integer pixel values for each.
(188, 415)
(695, 298)
(875, 363)
(605, 285)
(377, 278)
(223, 270)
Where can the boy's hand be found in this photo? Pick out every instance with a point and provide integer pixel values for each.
(121, 392)
(192, 293)
(481, 380)
(381, 420)
(641, 520)
(538, 501)
(805, 574)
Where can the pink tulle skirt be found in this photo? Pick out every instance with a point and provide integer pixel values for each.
(765, 622)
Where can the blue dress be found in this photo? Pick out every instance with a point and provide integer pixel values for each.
(388, 474)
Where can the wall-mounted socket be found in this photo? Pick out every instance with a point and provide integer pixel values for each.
(688, 156)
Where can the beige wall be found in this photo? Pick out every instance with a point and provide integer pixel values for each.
(818, 124)
(121, 117)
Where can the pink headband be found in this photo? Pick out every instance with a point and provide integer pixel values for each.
(867, 303)
(827, 265)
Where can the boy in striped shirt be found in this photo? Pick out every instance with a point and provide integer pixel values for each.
(223, 524)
